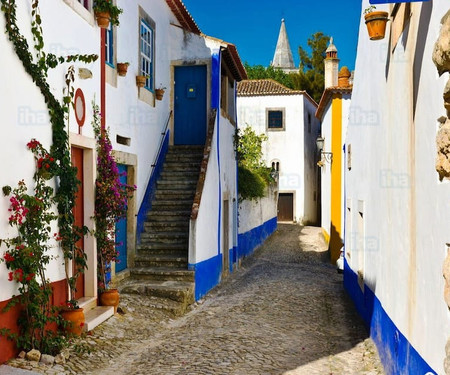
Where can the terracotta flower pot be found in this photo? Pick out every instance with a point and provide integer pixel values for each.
(376, 24)
(110, 297)
(75, 319)
(140, 81)
(102, 19)
(159, 93)
(122, 69)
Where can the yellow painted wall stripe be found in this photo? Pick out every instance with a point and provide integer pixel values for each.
(336, 176)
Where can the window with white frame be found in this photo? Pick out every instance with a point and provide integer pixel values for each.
(109, 45)
(147, 53)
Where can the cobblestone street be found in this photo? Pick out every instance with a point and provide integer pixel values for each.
(283, 312)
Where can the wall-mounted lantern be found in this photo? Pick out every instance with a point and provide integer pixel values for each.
(324, 156)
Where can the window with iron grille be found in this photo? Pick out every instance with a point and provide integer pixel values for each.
(147, 54)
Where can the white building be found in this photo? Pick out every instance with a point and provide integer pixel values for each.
(160, 40)
(287, 118)
(397, 208)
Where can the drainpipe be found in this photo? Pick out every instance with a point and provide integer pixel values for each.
(102, 79)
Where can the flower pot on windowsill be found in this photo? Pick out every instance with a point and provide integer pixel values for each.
(110, 297)
(102, 19)
(159, 94)
(122, 69)
(140, 81)
(376, 24)
(74, 320)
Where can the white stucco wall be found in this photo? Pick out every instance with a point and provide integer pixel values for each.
(287, 146)
(254, 213)
(406, 210)
(23, 111)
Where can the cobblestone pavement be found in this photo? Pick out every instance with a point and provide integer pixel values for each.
(283, 312)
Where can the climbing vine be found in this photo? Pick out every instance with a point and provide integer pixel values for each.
(37, 67)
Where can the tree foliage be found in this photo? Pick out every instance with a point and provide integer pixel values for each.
(260, 72)
(312, 71)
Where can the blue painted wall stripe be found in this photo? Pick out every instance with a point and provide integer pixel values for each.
(249, 241)
(207, 275)
(397, 355)
(146, 204)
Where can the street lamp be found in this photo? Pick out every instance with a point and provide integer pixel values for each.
(324, 156)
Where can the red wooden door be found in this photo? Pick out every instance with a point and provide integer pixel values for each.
(77, 161)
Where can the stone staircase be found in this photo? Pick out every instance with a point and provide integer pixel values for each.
(161, 263)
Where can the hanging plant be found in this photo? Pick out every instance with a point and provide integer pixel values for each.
(111, 200)
(106, 12)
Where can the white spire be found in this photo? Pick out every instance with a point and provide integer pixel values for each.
(283, 55)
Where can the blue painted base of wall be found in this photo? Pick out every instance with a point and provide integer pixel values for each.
(207, 275)
(249, 241)
(396, 353)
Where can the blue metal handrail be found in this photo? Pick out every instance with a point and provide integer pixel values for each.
(163, 136)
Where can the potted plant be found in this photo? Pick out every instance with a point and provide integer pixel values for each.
(140, 80)
(122, 68)
(375, 22)
(159, 92)
(111, 200)
(106, 12)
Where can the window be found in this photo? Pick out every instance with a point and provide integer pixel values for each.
(147, 53)
(275, 118)
(109, 45)
(85, 3)
(276, 166)
(309, 122)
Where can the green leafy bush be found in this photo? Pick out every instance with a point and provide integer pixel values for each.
(253, 175)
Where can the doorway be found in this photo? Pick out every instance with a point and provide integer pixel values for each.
(190, 105)
(286, 207)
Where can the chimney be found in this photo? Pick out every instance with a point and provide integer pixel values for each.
(331, 66)
(344, 77)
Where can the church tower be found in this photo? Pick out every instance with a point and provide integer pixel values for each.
(331, 66)
(283, 55)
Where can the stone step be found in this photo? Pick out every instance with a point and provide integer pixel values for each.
(167, 194)
(162, 273)
(180, 291)
(161, 186)
(182, 167)
(185, 148)
(168, 215)
(174, 175)
(165, 237)
(150, 246)
(172, 204)
(183, 157)
(175, 260)
(96, 316)
(155, 226)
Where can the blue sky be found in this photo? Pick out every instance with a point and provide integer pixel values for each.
(253, 25)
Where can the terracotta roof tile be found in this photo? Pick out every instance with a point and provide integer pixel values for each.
(328, 95)
(268, 87)
(258, 87)
(183, 16)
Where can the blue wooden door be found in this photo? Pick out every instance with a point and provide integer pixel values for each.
(121, 228)
(190, 105)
